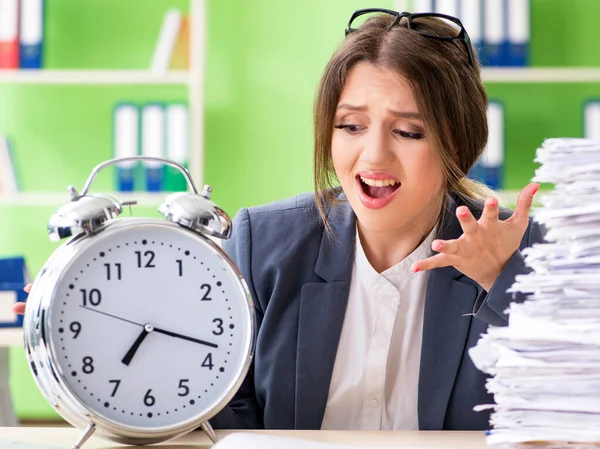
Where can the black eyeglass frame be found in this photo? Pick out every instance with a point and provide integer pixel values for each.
(462, 36)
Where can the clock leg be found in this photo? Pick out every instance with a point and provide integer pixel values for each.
(210, 431)
(89, 430)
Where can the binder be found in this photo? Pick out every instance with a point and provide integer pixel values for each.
(519, 32)
(489, 167)
(422, 6)
(494, 35)
(125, 144)
(13, 278)
(181, 51)
(448, 7)
(177, 146)
(8, 177)
(153, 144)
(9, 34)
(163, 52)
(591, 120)
(31, 34)
(470, 16)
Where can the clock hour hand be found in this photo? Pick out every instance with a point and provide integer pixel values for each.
(136, 344)
(185, 337)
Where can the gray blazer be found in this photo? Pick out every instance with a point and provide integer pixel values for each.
(299, 278)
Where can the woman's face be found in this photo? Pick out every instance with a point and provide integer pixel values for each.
(382, 155)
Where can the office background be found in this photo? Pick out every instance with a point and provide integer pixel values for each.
(263, 62)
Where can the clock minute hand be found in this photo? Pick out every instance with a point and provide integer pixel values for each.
(184, 337)
(112, 316)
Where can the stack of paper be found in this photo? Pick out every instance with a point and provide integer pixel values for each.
(545, 366)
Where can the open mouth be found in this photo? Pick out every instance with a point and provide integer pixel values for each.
(378, 188)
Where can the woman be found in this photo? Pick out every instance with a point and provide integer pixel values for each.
(369, 294)
(365, 294)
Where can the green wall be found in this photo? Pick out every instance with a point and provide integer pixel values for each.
(264, 60)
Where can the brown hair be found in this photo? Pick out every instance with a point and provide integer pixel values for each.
(448, 92)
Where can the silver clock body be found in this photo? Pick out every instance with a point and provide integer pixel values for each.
(48, 354)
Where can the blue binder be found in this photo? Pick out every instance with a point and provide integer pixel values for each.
(489, 169)
(13, 278)
(518, 29)
(494, 33)
(31, 34)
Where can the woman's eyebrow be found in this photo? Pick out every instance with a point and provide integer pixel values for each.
(362, 108)
(406, 114)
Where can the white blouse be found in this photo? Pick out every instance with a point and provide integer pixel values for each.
(375, 377)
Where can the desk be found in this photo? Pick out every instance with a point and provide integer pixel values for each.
(66, 436)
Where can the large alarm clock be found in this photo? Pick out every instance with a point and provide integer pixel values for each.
(139, 329)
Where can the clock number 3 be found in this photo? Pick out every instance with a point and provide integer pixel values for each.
(219, 323)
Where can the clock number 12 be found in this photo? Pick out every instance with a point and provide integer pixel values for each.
(149, 262)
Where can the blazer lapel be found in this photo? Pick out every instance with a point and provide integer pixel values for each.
(447, 319)
(321, 316)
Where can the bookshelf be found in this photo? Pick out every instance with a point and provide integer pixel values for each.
(192, 79)
(94, 77)
(541, 75)
(41, 199)
(11, 336)
(189, 78)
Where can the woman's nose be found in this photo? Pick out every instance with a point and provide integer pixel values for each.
(377, 149)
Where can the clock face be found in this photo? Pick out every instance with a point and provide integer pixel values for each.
(150, 326)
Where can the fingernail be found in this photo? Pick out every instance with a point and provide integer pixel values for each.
(537, 187)
(492, 202)
(437, 245)
(416, 269)
(462, 213)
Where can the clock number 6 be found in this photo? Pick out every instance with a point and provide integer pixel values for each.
(149, 400)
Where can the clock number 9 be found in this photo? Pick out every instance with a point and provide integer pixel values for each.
(75, 327)
(149, 400)
(94, 297)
